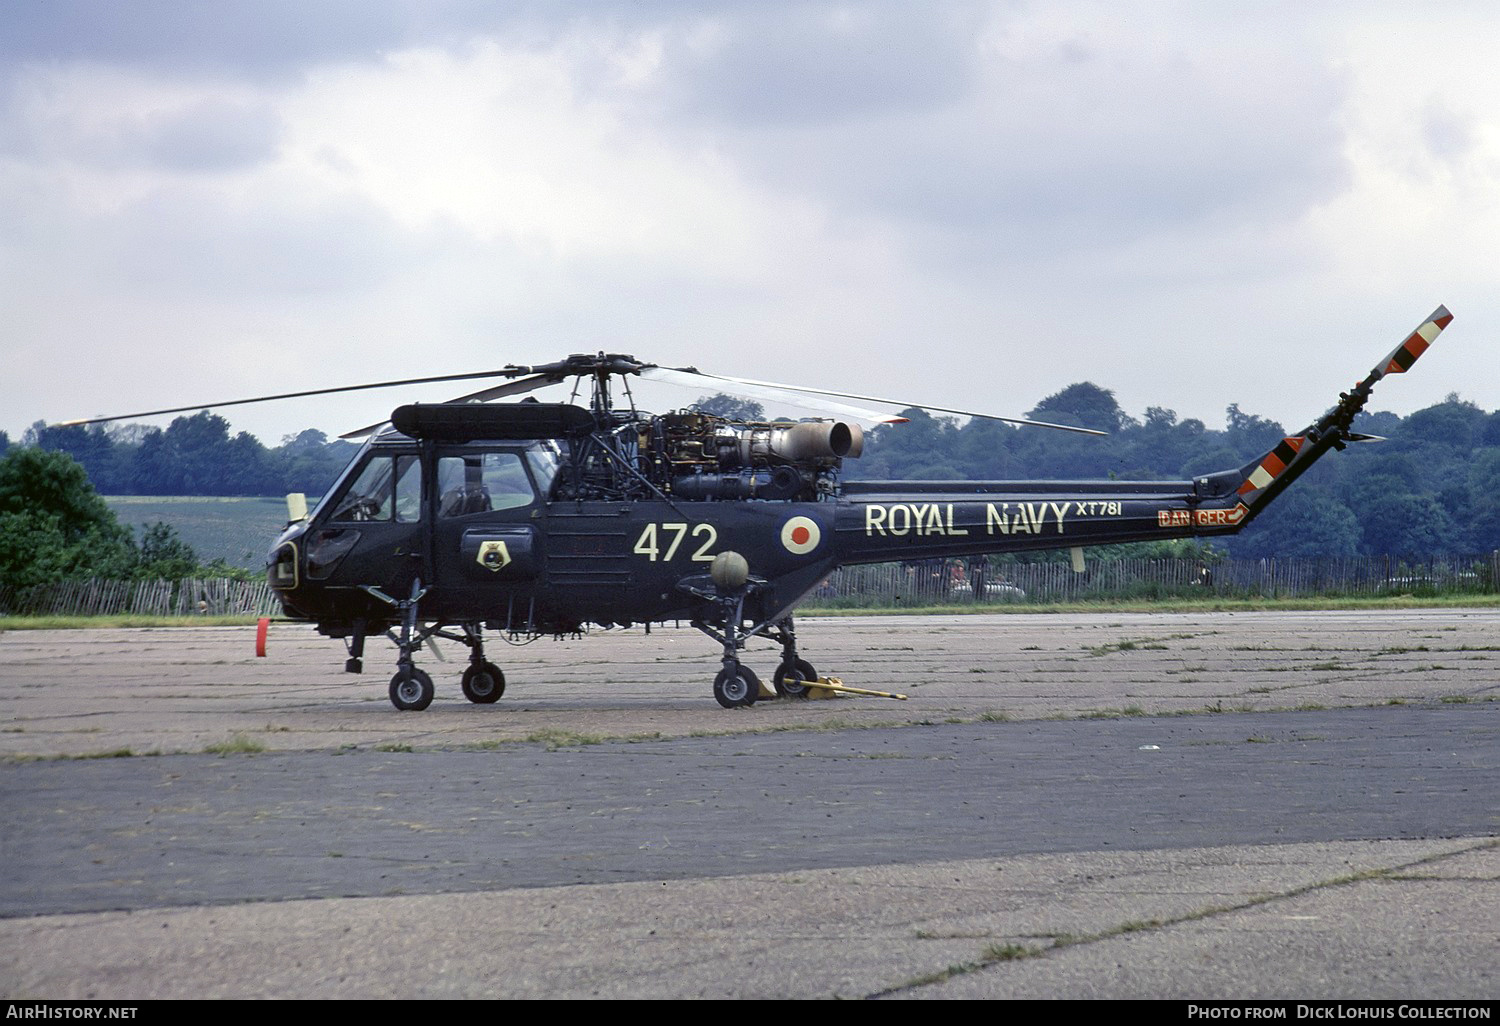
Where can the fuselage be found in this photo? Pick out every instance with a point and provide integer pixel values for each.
(477, 525)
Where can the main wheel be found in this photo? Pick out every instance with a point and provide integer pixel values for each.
(411, 689)
(736, 687)
(792, 678)
(484, 683)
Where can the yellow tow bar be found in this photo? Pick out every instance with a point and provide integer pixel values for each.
(827, 687)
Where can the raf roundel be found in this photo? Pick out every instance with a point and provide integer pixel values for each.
(800, 535)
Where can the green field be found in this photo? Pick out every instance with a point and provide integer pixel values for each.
(236, 530)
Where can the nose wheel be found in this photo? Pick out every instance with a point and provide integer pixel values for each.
(411, 688)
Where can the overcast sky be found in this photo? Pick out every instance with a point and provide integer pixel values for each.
(972, 204)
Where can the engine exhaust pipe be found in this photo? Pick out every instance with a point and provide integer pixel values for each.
(809, 440)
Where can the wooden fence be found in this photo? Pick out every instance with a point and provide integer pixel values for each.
(216, 596)
(958, 582)
(933, 582)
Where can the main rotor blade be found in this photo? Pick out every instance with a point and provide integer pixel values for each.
(897, 402)
(530, 384)
(506, 372)
(775, 393)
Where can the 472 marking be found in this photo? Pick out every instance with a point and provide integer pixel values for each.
(649, 544)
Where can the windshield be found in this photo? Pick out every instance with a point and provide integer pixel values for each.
(387, 488)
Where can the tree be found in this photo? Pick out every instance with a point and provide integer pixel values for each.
(984, 449)
(32, 550)
(1300, 523)
(310, 463)
(53, 524)
(923, 448)
(54, 484)
(1397, 524)
(1251, 435)
(731, 407)
(1484, 515)
(1379, 422)
(309, 440)
(1082, 405)
(249, 468)
(107, 465)
(162, 554)
(1452, 422)
(1162, 445)
(196, 456)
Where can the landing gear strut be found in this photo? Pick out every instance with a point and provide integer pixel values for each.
(411, 689)
(737, 685)
(483, 683)
(794, 674)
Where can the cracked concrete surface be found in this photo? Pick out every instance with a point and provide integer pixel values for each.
(1336, 918)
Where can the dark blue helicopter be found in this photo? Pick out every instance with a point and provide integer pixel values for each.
(533, 519)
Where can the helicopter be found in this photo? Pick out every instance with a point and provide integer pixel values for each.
(532, 519)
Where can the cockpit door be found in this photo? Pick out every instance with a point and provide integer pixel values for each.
(485, 539)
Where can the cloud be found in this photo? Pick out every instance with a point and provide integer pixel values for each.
(976, 204)
(93, 119)
(1027, 132)
(212, 136)
(816, 65)
(227, 37)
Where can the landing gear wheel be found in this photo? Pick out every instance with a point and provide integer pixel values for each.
(411, 689)
(484, 683)
(793, 677)
(736, 686)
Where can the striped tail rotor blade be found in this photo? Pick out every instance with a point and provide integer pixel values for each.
(1404, 355)
(1270, 466)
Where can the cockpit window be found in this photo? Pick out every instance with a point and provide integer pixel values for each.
(388, 488)
(482, 481)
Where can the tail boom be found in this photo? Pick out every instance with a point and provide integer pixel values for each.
(908, 520)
